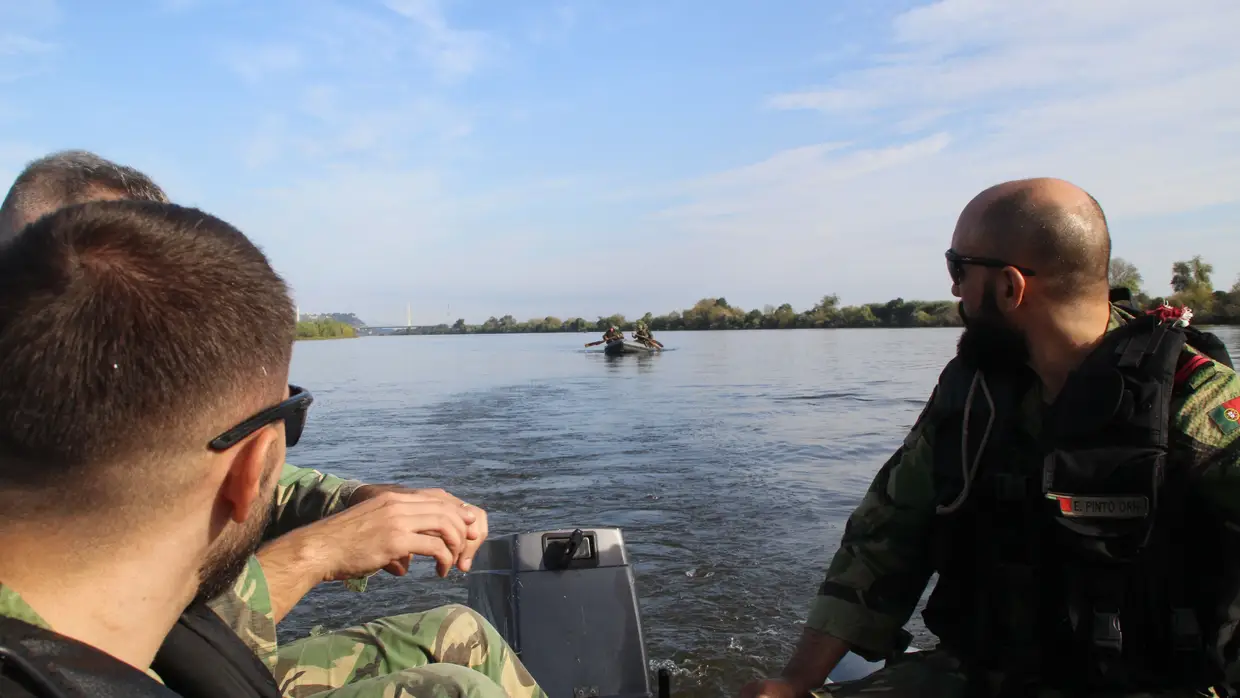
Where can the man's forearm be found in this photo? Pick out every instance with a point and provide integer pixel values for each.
(816, 655)
(293, 567)
(365, 491)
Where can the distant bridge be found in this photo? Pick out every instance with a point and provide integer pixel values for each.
(388, 329)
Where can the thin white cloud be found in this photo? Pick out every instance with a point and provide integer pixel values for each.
(30, 15)
(358, 81)
(25, 49)
(258, 63)
(178, 5)
(453, 53)
(1134, 100)
(18, 45)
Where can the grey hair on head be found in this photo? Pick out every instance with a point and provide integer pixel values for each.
(66, 178)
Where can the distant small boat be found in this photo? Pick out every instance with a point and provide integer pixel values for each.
(617, 347)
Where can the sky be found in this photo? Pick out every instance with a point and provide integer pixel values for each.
(476, 158)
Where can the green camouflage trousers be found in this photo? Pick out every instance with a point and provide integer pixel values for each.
(936, 674)
(447, 652)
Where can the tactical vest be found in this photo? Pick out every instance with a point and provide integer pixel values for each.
(203, 658)
(1063, 551)
(200, 658)
(38, 663)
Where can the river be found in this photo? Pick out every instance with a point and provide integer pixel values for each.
(730, 461)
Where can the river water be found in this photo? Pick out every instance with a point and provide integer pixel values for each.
(730, 461)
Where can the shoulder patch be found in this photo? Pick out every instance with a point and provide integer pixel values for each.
(1189, 368)
(1227, 416)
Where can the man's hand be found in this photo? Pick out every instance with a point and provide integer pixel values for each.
(816, 654)
(475, 532)
(385, 531)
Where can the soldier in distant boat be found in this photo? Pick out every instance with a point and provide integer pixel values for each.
(642, 334)
(612, 334)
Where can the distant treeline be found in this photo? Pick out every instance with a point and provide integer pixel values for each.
(1191, 287)
(324, 329)
(346, 318)
(718, 314)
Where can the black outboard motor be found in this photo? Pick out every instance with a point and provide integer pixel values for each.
(566, 601)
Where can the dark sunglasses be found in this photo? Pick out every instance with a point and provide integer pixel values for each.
(956, 264)
(291, 411)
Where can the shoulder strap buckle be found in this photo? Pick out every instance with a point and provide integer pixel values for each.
(1108, 634)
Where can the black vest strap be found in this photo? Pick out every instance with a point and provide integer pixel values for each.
(38, 663)
(203, 658)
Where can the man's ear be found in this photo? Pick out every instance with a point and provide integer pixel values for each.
(244, 481)
(1011, 289)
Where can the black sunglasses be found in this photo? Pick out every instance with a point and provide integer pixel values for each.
(292, 411)
(956, 263)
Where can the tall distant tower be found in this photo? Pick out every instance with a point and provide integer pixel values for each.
(297, 317)
(409, 315)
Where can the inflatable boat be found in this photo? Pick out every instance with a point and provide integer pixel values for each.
(621, 346)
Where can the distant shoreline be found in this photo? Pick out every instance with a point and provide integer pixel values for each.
(435, 331)
(325, 329)
(718, 314)
(318, 339)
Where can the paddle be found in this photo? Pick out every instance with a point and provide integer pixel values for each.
(649, 340)
(598, 342)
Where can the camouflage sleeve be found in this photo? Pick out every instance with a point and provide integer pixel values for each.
(246, 608)
(304, 496)
(883, 565)
(1207, 418)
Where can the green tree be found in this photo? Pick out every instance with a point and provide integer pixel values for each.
(1190, 275)
(1190, 281)
(1124, 274)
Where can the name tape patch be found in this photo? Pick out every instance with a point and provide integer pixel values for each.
(1102, 507)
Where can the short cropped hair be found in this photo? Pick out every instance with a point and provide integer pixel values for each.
(1068, 247)
(66, 178)
(130, 332)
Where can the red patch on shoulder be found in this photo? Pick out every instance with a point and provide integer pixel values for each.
(1190, 367)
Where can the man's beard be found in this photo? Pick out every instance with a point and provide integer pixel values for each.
(226, 561)
(989, 341)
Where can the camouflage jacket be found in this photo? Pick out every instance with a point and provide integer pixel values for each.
(882, 567)
(304, 496)
(246, 608)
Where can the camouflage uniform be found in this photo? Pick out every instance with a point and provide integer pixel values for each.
(448, 651)
(883, 564)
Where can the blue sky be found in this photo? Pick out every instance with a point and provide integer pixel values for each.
(584, 157)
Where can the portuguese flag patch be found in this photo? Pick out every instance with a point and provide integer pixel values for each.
(1227, 416)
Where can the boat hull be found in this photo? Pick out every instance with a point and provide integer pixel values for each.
(621, 346)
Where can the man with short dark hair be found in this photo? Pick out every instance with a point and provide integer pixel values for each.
(1074, 481)
(144, 415)
(309, 538)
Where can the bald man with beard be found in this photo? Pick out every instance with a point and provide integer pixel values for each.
(1074, 482)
